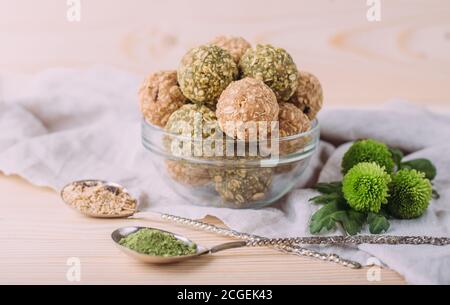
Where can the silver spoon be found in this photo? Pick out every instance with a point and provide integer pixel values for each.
(121, 233)
(294, 249)
(118, 234)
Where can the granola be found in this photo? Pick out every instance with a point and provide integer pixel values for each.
(98, 199)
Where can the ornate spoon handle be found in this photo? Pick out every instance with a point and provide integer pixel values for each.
(354, 240)
(283, 247)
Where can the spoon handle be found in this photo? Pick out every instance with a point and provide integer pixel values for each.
(316, 240)
(230, 245)
(354, 240)
(286, 248)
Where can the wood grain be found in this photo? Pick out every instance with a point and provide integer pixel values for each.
(39, 234)
(405, 55)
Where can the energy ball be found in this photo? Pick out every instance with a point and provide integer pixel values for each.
(188, 173)
(160, 96)
(236, 46)
(274, 66)
(309, 95)
(190, 125)
(292, 120)
(204, 72)
(244, 185)
(190, 119)
(244, 105)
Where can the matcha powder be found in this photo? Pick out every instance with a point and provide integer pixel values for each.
(157, 243)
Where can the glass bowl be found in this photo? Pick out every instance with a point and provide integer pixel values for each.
(248, 178)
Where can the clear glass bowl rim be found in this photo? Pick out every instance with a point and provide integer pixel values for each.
(282, 159)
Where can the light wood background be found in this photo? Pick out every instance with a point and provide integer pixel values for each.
(406, 55)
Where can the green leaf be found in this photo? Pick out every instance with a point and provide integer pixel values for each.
(326, 218)
(397, 156)
(351, 220)
(323, 218)
(329, 188)
(422, 165)
(377, 223)
(324, 199)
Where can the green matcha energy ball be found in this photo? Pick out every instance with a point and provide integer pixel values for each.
(242, 185)
(204, 72)
(190, 119)
(194, 123)
(410, 194)
(274, 66)
(366, 187)
(368, 151)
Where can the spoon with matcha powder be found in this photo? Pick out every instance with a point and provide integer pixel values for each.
(151, 245)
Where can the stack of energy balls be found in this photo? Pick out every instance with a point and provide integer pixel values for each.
(228, 80)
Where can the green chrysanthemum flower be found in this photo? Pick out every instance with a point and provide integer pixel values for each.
(410, 194)
(368, 151)
(366, 187)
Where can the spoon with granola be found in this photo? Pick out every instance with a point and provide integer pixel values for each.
(99, 199)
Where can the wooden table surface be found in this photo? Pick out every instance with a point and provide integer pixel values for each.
(404, 55)
(39, 235)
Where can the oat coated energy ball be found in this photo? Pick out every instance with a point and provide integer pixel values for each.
(236, 46)
(274, 66)
(188, 173)
(292, 120)
(243, 185)
(246, 103)
(309, 95)
(160, 96)
(204, 72)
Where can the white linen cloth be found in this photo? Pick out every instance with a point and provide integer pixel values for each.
(63, 125)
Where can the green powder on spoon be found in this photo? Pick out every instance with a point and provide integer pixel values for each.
(157, 243)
